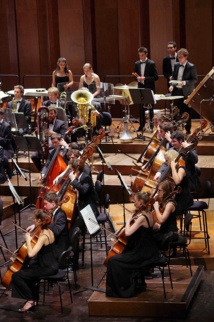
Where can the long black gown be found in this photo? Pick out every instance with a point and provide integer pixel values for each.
(24, 282)
(122, 269)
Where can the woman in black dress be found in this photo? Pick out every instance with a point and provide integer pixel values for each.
(125, 276)
(62, 74)
(165, 226)
(24, 282)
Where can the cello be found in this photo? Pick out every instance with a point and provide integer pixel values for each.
(21, 256)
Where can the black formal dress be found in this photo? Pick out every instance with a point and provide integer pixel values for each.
(123, 269)
(151, 75)
(24, 282)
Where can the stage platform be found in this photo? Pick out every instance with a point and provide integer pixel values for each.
(151, 302)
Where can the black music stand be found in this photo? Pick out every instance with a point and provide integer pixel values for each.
(142, 96)
(93, 229)
(103, 161)
(124, 188)
(28, 143)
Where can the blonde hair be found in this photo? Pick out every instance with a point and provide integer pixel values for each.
(171, 155)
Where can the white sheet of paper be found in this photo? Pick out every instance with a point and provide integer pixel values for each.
(90, 220)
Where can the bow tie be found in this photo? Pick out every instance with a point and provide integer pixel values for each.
(53, 103)
(181, 65)
(142, 62)
(172, 57)
(18, 101)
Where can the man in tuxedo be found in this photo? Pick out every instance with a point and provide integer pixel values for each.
(169, 61)
(186, 75)
(21, 105)
(55, 126)
(146, 75)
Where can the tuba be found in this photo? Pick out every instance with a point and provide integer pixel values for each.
(43, 126)
(85, 110)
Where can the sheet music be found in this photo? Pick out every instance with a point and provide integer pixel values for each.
(90, 220)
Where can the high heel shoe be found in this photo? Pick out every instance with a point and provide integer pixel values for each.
(28, 306)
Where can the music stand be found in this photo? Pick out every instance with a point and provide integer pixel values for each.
(93, 229)
(124, 187)
(142, 96)
(21, 120)
(28, 143)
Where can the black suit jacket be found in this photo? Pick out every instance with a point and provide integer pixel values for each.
(151, 74)
(167, 67)
(24, 107)
(60, 230)
(6, 139)
(59, 127)
(87, 193)
(61, 103)
(189, 75)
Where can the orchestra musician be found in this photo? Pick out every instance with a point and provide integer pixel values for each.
(178, 173)
(6, 148)
(191, 158)
(21, 105)
(165, 226)
(56, 141)
(125, 276)
(24, 282)
(62, 74)
(55, 126)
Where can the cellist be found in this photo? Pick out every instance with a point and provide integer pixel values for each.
(24, 282)
(165, 226)
(125, 276)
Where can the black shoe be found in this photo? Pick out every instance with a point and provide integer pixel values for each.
(139, 129)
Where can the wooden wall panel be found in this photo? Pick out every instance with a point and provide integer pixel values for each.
(199, 34)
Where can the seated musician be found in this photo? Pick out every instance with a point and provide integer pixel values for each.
(190, 158)
(83, 184)
(6, 148)
(164, 134)
(125, 277)
(24, 282)
(19, 104)
(56, 141)
(55, 126)
(165, 225)
(179, 175)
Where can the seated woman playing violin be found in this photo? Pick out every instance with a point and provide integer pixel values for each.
(178, 172)
(24, 282)
(165, 226)
(125, 277)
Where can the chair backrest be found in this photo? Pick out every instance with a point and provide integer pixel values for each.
(65, 257)
(100, 175)
(106, 119)
(107, 201)
(98, 187)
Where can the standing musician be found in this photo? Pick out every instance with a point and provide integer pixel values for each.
(165, 227)
(124, 271)
(91, 81)
(55, 126)
(19, 104)
(24, 282)
(146, 76)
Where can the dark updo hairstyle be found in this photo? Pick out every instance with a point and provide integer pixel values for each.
(44, 217)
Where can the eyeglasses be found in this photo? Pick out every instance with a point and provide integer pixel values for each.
(160, 190)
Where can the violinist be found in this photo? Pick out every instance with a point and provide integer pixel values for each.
(24, 282)
(179, 176)
(190, 158)
(125, 276)
(165, 228)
